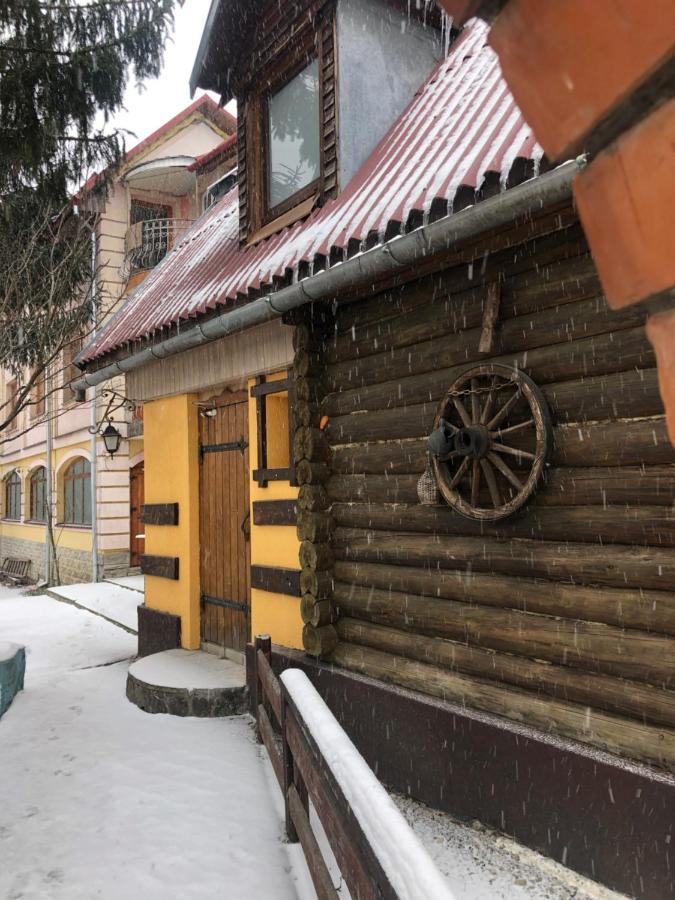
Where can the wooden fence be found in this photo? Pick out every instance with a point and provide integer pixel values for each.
(304, 775)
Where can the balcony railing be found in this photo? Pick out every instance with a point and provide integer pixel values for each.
(148, 242)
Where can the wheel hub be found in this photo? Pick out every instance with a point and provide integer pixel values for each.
(473, 440)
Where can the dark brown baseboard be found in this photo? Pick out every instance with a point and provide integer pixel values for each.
(157, 631)
(610, 820)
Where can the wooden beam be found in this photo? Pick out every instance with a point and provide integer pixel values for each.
(276, 580)
(159, 514)
(160, 566)
(490, 316)
(275, 512)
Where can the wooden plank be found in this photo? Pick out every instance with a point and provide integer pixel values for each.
(490, 316)
(590, 646)
(270, 684)
(618, 695)
(276, 580)
(270, 387)
(275, 512)
(638, 608)
(160, 566)
(571, 562)
(628, 738)
(262, 476)
(159, 514)
(321, 878)
(267, 734)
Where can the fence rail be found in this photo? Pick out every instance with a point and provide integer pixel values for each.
(305, 774)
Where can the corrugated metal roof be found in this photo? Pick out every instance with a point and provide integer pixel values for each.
(461, 125)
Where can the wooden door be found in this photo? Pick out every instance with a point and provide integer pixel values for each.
(224, 523)
(136, 527)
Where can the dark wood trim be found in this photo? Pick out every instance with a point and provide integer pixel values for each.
(157, 631)
(275, 512)
(262, 476)
(276, 580)
(262, 388)
(159, 514)
(160, 566)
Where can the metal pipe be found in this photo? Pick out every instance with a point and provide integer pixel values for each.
(94, 459)
(386, 259)
(49, 524)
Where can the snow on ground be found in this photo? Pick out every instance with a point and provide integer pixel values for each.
(101, 800)
(188, 669)
(480, 864)
(106, 599)
(132, 582)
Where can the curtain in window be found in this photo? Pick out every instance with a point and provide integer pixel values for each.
(38, 495)
(13, 496)
(77, 493)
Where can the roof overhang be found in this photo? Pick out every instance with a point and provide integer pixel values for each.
(169, 175)
(223, 46)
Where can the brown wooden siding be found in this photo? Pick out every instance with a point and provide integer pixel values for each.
(562, 616)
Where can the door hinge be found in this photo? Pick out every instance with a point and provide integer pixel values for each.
(240, 445)
(225, 604)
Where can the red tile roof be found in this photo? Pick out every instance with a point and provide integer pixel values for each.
(461, 125)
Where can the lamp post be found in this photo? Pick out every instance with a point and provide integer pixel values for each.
(112, 439)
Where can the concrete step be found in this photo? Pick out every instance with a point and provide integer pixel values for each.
(188, 683)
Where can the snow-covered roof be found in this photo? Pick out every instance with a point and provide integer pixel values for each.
(462, 126)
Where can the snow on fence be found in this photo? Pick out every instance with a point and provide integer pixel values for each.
(377, 852)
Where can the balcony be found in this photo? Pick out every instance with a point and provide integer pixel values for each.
(148, 242)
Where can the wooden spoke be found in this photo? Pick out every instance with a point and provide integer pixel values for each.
(512, 428)
(459, 474)
(475, 402)
(501, 466)
(513, 451)
(475, 483)
(452, 455)
(489, 403)
(488, 471)
(461, 409)
(504, 411)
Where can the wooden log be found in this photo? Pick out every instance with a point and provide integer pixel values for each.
(618, 735)
(311, 444)
(651, 568)
(306, 364)
(313, 498)
(319, 641)
(603, 485)
(557, 362)
(622, 395)
(643, 442)
(316, 612)
(591, 646)
(308, 472)
(626, 608)
(305, 415)
(401, 356)
(316, 556)
(631, 698)
(601, 525)
(319, 584)
(314, 527)
(306, 338)
(462, 313)
(308, 390)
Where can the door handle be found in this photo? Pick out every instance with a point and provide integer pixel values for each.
(246, 525)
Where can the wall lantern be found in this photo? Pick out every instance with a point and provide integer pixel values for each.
(112, 439)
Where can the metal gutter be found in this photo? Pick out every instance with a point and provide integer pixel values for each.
(386, 259)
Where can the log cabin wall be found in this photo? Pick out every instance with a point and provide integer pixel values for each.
(562, 616)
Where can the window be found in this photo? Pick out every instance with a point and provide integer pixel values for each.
(219, 188)
(274, 438)
(150, 226)
(12, 395)
(38, 495)
(70, 370)
(13, 496)
(38, 397)
(293, 147)
(77, 493)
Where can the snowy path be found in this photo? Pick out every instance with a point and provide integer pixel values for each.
(101, 800)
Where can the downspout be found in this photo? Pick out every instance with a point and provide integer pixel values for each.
(395, 256)
(94, 458)
(49, 524)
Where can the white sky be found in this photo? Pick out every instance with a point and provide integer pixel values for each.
(159, 100)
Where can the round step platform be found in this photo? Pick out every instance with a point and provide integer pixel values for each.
(188, 683)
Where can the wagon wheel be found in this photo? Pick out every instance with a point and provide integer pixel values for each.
(492, 436)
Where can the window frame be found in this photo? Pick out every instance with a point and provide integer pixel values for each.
(77, 478)
(71, 349)
(262, 475)
(12, 396)
(13, 484)
(282, 79)
(32, 499)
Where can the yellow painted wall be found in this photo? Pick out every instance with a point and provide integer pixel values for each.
(171, 440)
(274, 545)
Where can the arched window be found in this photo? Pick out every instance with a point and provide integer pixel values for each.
(77, 493)
(13, 496)
(38, 495)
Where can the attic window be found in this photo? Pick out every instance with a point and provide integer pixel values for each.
(294, 151)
